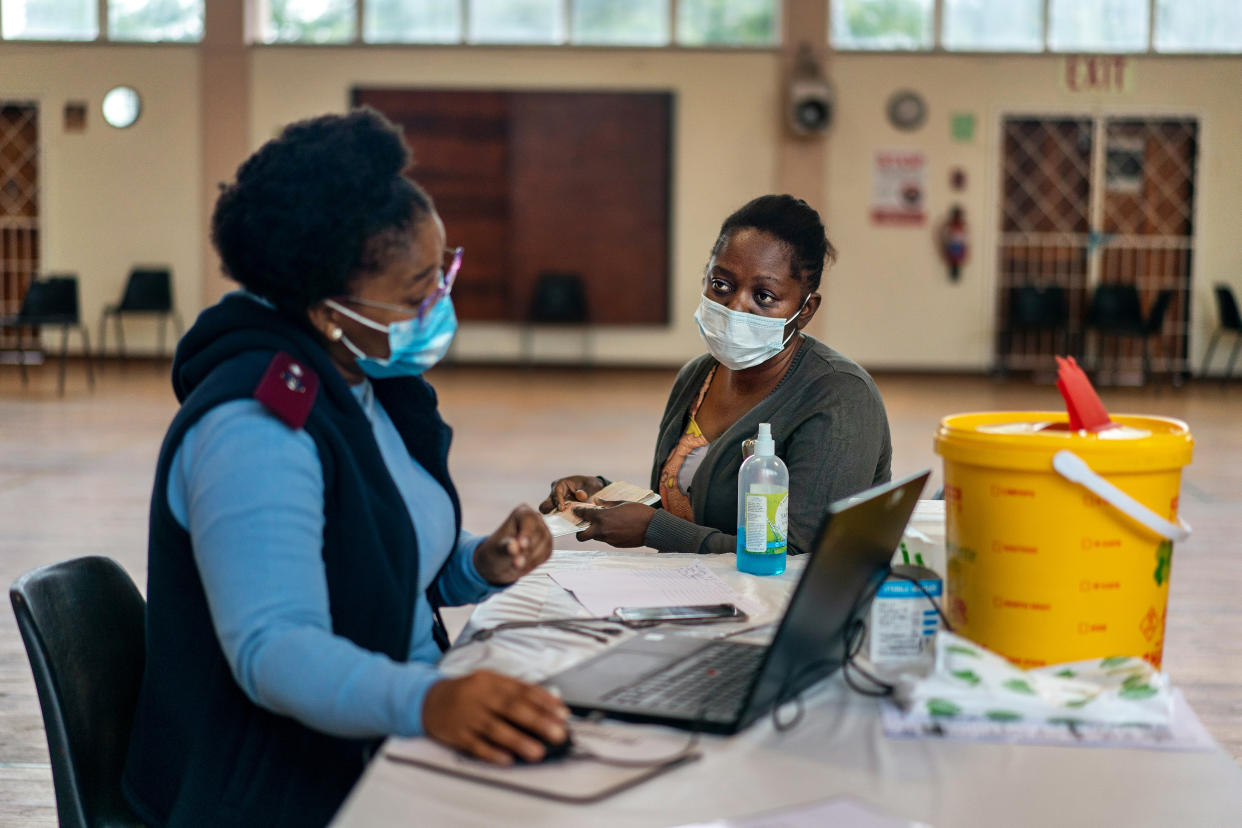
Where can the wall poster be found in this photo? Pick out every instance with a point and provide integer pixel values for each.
(899, 187)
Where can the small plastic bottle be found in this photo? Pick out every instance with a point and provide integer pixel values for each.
(762, 508)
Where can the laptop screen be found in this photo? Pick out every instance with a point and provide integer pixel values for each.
(851, 557)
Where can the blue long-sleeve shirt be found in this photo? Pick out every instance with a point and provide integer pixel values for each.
(250, 492)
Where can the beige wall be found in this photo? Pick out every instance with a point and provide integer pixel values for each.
(114, 198)
(888, 301)
(724, 151)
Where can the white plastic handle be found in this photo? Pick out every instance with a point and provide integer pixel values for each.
(1075, 469)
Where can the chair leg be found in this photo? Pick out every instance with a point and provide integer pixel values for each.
(1117, 360)
(1101, 356)
(1003, 347)
(64, 354)
(1145, 365)
(1170, 374)
(1207, 358)
(86, 353)
(21, 357)
(120, 336)
(103, 337)
(1233, 357)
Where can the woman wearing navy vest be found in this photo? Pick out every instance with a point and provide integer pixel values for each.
(303, 527)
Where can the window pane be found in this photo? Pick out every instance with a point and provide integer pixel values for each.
(50, 19)
(308, 21)
(634, 23)
(411, 21)
(155, 20)
(1015, 26)
(1203, 26)
(727, 22)
(1097, 25)
(882, 24)
(516, 21)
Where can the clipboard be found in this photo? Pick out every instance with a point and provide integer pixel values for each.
(574, 780)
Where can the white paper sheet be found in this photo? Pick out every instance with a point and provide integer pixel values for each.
(603, 590)
(560, 526)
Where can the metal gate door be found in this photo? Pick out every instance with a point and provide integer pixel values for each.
(19, 206)
(1091, 201)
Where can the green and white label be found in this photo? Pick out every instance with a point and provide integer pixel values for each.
(767, 519)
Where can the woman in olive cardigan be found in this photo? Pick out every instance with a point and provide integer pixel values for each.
(828, 421)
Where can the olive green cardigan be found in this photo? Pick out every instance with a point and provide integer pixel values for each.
(830, 428)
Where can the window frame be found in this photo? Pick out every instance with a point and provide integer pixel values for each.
(937, 46)
(102, 33)
(937, 42)
(566, 41)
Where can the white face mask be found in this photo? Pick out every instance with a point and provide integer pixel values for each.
(742, 340)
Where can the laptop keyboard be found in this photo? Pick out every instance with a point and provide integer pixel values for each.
(710, 683)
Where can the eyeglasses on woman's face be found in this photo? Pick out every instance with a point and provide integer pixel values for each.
(446, 275)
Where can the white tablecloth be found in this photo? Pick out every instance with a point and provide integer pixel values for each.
(839, 748)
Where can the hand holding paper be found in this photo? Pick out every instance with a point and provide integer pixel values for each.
(565, 522)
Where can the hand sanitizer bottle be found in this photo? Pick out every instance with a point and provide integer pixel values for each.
(762, 508)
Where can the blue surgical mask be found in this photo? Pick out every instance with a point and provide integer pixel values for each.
(414, 345)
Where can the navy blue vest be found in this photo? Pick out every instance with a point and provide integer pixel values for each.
(201, 752)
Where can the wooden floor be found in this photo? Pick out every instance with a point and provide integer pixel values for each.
(75, 477)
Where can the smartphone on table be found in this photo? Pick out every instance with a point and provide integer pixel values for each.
(683, 614)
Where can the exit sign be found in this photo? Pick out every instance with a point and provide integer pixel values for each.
(1098, 74)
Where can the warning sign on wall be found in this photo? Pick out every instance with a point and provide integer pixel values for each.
(899, 187)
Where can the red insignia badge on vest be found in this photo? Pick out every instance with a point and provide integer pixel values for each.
(288, 389)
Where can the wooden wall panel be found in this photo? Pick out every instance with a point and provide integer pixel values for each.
(460, 144)
(546, 181)
(590, 195)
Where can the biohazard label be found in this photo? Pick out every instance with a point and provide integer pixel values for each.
(1148, 625)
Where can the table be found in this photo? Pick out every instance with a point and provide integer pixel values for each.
(838, 749)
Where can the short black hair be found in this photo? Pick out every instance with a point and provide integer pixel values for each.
(795, 223)
(317, 207)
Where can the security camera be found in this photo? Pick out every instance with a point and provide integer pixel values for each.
(810, 106)
(810, 102)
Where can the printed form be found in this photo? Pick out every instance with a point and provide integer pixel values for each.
(603, 590)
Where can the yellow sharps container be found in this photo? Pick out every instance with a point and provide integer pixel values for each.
(1043, 569)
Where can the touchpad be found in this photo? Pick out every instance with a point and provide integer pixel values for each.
(586, 683)
(629, 666)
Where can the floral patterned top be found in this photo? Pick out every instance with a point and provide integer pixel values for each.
(674, 500)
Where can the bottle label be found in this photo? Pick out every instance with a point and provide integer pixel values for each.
(767, 519)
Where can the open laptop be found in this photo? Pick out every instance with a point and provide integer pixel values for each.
(723, 686)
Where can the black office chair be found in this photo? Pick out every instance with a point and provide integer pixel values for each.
(1034, 309)
(148, 291)
(1229, 321)
(52, 300)
(558, 298)
(1116, 312)
(83, 623)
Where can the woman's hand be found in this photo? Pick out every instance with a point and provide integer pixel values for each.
(484, 715)
(615, 523)
(567, 491)
(520, 544)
